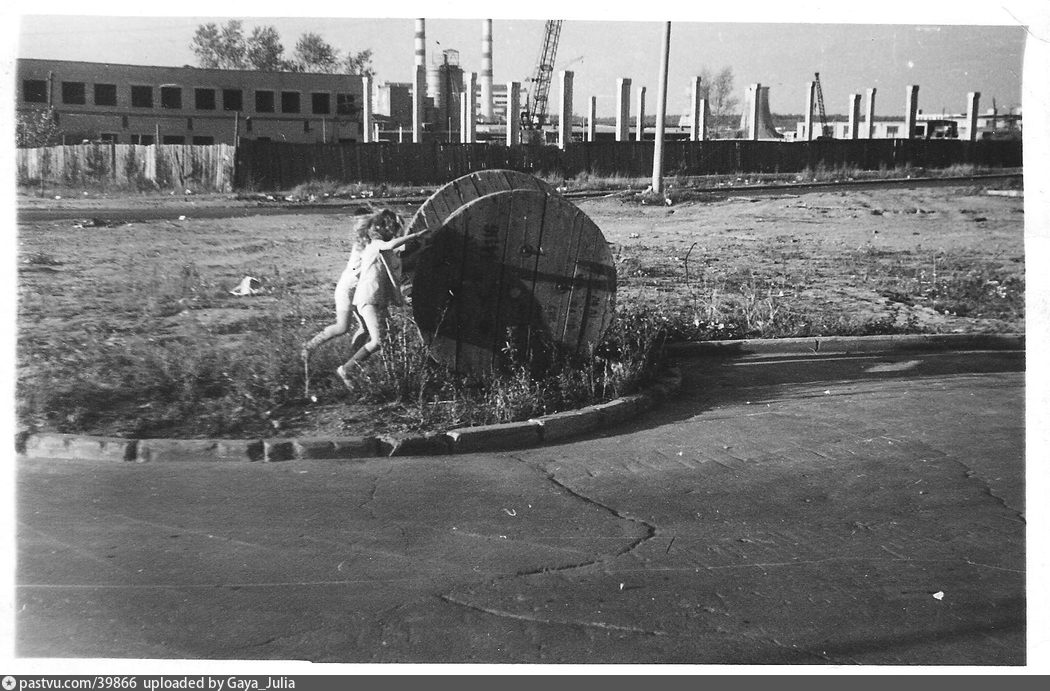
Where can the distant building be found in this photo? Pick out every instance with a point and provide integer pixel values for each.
(136, 104)
(992, 124)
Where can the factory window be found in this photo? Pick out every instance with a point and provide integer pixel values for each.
(232, 99)
(344, 104)
(322, 103)
(171, 97)
(34, 90)
(264, 101)
(105, 94)
(73, 92)
(204, 99)
(204, 141)
(289, 101)
(891, 131)
(173, 139)
(306, 125)
(108, 138)
(143, 139)
(142, 97)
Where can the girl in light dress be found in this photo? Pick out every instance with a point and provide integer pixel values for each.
(368, 286)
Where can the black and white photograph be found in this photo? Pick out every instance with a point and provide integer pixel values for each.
(459, 338)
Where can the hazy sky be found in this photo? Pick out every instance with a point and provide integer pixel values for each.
(944, 57)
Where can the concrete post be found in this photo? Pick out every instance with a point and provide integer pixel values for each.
(640, 123)
(661, 114)
(694, 109)
(486, 70)
(623, 108)
(592, 117)
(973, 100)
(463, 118)
(470, 129)
(854, 116)
(419, 92)
(811, 97)
(705, 114)
(911, 111)
(513, 113)
(754, 93)
(366, 110)
(869, 121)
(565, 114)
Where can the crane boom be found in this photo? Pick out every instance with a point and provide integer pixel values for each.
(541, 80)
(825, 131)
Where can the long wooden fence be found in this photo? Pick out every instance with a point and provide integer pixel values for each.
(269, 166)
(164, 166)
(281, 166)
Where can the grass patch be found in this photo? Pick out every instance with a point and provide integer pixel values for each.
(149, 388)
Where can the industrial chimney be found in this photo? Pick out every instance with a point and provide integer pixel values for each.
(421, 43)
(486, 69)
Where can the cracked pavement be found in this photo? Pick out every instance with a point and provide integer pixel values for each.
(780, 510)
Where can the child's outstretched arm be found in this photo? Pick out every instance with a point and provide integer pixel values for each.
(394, 243)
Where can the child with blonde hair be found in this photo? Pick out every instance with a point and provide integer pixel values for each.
(369, 285)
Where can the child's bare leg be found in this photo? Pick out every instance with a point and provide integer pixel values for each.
(361, 335)
(375, 325)
(338, 328)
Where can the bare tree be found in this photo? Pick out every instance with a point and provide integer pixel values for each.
(718, 90)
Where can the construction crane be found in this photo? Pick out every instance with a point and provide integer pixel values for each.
(535, 112)
(825, 130)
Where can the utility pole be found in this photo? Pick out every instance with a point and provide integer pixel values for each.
(661, 113)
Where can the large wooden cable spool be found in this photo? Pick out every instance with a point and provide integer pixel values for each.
(453, 195)
(518, 266)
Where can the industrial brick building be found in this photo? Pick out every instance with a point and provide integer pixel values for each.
(136, 104)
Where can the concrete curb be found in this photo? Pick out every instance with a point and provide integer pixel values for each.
(845, 345)
(546, 429)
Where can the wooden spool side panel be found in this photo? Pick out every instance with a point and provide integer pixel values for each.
(519, 312)
(600, 271)
(553, 266)
(593, 288)
(567, 328)
(472, 274)
(447, 199)
(517, 265)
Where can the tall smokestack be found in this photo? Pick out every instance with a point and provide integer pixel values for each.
(421, 43)
(486, 69)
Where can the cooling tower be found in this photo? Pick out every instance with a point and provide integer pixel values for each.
(764, 129)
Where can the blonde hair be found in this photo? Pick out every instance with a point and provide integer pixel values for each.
(379, 225)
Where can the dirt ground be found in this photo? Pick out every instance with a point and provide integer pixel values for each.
(864, 255)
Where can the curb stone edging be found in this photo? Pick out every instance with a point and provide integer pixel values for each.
(843, 345)
(548, 428)
(545, 429)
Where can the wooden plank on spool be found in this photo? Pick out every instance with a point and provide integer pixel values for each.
(521, 262)
(553, 265)
(593, 288)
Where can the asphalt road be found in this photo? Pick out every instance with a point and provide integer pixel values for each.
(781, 510)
